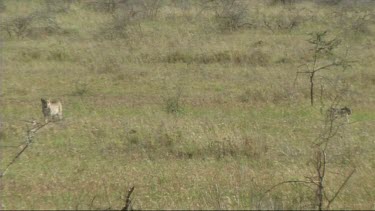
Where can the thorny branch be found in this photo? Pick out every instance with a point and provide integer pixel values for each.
(29, 139)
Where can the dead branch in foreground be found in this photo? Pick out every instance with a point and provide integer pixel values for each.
(128, 201)
(29, 140)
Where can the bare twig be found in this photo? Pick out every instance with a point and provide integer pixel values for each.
(128, 201)
(339, 190)
(29, 140)
(320, 170)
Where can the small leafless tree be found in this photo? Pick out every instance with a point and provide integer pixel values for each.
(316, 181)
(323, 58)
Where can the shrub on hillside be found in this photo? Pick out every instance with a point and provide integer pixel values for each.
(256, 57)
(352, 20)
(230, 15)
(173, 104)
(121, 25)
(80, 89)
(286, 19)
(178, 57)
(35, 25)
(282, 2)
(140, 8)
(61, 6)
(109, 6)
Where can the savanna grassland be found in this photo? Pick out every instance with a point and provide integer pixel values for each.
(198, 104)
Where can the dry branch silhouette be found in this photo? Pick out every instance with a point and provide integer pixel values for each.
(29, 140)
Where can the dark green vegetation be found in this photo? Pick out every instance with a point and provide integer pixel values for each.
(196, 103)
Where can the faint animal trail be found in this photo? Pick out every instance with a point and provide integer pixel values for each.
(51, 109)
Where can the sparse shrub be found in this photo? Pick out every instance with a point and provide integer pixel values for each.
(256, 57)
(106, 65)
(177, 56)
(235, 147)
(40, 32)
(328, 2)
(352, 21)
(58, 54)
(232, 20)
(111, 65)
(220, 57)
(167, 139)
(173, 104)
(81, 89)
(251, 96)
(245, 97)
(121, 26)
(230, 15)
(217, 57)
(358, 23)
(30, 54)
(61, 6)
(284, 93)
(150, 8)
(287, 19)
(283, 2)
(35, 25)
(283, 60)
(18, 26)
(130, 8)
(223, 148)
(109, 6)
(127, 16)
(117, 28)
(162, 142)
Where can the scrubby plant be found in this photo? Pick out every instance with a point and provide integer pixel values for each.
(172, 104)
(61, 6)
(81, 88)
(34, 25)
(286, 19)
(122, 24)
(232, 15)
(322, 50)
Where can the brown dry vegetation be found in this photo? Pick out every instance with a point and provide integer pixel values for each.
(195, 103)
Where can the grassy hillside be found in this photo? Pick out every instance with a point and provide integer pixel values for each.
(195, 103)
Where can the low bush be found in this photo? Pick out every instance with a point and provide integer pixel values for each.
(256, 57)
(38, 24)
